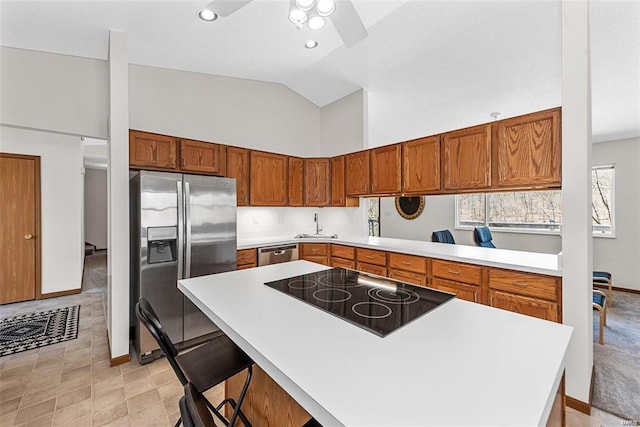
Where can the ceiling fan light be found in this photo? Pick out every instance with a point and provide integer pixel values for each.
(311, 44)
(207, 15)
(316, 22)
(297, 16)
(325, 7)
(304, 4)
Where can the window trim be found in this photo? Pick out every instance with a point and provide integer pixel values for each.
(518, 230)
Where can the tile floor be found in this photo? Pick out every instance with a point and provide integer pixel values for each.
(71, 383)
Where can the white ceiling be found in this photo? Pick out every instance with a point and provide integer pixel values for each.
(460, 55)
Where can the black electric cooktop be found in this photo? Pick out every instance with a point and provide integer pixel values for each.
(377, 304)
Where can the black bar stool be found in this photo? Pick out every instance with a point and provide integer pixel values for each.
(205, 366)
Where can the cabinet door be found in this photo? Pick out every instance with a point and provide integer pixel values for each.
(357, 173)
(408, 277)
(246, 258)
(316, 182)
(371, 256)
(268, 179)
(524, 305)
(461, 290)
(421, 165)
(416, 264)
(238, 168)
(457, 271)
(344, 263)
(529, 150)
(296, 181)
(314, 249)
(338, 195)
(386, 173)
(149, 150)
(371, 268)
(528, 284)
(467, 158)
(344, 252)
(202, 157)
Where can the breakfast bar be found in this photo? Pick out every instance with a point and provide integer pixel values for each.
(458, 364)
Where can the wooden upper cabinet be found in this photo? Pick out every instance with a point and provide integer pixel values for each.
(386, 172)
(467, 158)
(296, 181)
(317, 189)
(338, 195)
(149, 150)
(202, 157)
(421, 165)
(238, 168)
(268, 179)
(357, 174)
(528, 150)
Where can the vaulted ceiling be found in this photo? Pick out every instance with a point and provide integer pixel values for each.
(458, 55)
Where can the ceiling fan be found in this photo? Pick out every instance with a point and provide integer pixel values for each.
(343, 15)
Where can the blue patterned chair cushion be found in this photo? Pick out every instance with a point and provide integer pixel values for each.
(598, 299)
(602, 275)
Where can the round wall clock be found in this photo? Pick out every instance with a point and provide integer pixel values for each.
(410, 207)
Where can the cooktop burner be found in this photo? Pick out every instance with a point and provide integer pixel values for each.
(377, 304)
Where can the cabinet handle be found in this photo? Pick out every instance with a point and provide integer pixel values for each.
(454, 271)
(520, 283)
(491, 300)
(406, 263)
(475, 297)
(368, 256)
(314, 250)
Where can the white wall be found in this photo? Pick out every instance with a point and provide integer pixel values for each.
(342, 125)
(95, 207)
(239, 112)
(61, 202)
(620, 255)
(57, 93)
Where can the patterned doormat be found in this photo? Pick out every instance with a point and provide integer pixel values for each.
(35, 330)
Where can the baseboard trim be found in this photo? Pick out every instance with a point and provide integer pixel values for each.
(115, 361)
(615, 288)
(60, 293)
(578, 405)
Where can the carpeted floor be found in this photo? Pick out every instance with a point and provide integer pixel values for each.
(617, 362)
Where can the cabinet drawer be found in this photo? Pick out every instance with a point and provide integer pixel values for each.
(525, 305)
(371, 256)
(408, 277)
(247, 256)
(314, 249)
(373, 269)
(456, 271)
(324, 260)
(417, 264)
(462, 290)
(344, 263)
(345, 252)
(533, 285)
(245, 266)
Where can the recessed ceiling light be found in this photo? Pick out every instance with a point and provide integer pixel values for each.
(207, 15)
(304, 4)
(297, 17)
(325, 7)
(315, 22)
(311, 44)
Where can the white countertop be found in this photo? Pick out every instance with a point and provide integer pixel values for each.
(532, 262)
(461, 364)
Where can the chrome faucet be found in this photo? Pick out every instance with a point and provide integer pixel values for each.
(315, 220)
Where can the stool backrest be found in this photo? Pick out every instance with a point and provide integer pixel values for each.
(483, 237)
(148, 317)
(443, 236)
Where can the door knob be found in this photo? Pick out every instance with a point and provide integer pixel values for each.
(28, 236)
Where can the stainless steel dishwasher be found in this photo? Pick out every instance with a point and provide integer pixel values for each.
(277, 254)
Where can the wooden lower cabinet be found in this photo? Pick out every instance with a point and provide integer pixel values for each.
(408, 277)
(343, 263)
(316, 252)
(371, 268)
(266, 403)
(524, 305)
(246, 258)
(461, 290)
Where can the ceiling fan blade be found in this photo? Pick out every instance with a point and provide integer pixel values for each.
(348, 24)
(226, 7)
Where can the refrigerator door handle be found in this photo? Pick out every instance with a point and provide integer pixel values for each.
(180, 229)
(187, 205)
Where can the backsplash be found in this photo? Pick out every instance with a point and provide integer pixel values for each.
(259, 222)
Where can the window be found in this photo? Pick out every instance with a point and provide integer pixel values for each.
(373, 216)
(536, 211)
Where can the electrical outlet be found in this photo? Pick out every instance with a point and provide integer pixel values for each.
(280, 218)
(254, 219)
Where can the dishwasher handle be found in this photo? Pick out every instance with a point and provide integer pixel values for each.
(277, 250)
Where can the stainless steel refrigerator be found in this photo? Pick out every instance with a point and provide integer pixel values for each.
(181, 226)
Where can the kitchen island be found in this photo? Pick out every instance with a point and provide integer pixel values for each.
(459, 364)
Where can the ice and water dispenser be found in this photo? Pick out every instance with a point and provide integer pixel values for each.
(161, 243)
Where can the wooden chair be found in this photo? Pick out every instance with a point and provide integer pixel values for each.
(600, 304)
(604, 278)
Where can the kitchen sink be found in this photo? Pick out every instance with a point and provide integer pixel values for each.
(316, 236)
